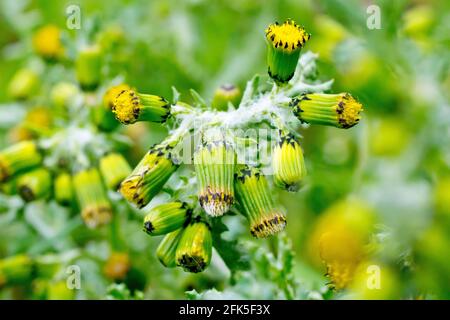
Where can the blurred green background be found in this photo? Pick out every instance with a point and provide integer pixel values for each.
(395, 162)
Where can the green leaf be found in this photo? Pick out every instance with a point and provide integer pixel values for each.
(251, 89)
(198, 100)
(231, 252)
(176, 95)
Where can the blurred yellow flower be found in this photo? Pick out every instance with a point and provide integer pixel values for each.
(117, 266)
(339, 240)
(374, 281)
(47, 42)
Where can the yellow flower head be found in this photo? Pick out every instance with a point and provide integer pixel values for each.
(47, 42)
(130, 106)
(126, 106)
(287, 37)
(338, 110)
(112, 93)
(349, 110)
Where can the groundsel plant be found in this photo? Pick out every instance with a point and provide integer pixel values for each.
(240, 148)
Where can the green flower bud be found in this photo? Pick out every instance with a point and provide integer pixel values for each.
(225, 94)
(23, 84)
(214, 165)
(149, 176)
(35, 184)
(95, 207)
(338, 110)
(88, 67)
(195, 248)
(130, 106)
(257, 204)
(114, 168)
(167, 249)
(284, 44)
(18, 157)
(287, 163)
(15, 270)
(63, 189)
(166, 218)
(63, 93)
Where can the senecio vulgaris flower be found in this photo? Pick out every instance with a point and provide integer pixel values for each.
(287, 163)
(257, 203)
(214, 164)
(149, 176)
(338, 110)
(284, 44)
(222, 182)
(130, 106)
(194, 250)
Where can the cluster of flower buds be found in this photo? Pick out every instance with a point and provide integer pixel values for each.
(24, 173)
(58, 151)
(187, 242)
(222, 182)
